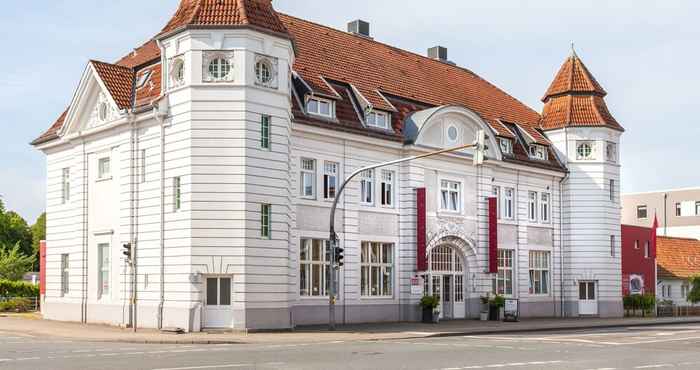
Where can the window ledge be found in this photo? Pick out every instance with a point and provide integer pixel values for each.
(103, 179)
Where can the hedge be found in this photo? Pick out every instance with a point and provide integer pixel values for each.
(18, 289)
(17, 305)
(644, 302)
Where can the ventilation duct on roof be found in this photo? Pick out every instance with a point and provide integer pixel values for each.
(359, 27)
(439, 53)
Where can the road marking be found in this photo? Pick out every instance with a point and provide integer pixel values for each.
(493, 366)
(653, 366)
(206, 367)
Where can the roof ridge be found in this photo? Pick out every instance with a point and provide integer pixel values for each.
(677, 238)
(434, 61)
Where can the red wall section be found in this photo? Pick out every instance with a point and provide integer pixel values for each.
(633, 260)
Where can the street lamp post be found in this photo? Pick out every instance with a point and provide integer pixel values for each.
(480, 146)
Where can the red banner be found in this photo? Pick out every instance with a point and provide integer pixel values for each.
(42, 267)
(421, 257)
(493, 236)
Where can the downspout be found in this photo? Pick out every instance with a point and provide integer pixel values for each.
(561, 225)
(157, 115)
(132, 216)
(83, 301)
(665, 217)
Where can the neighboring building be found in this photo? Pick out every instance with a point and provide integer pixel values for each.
(638, 260)
(678, 211)
(678, 260)
(216, 149)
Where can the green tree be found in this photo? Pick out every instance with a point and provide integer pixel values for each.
(38, 234)
(14, 230)
(14, 264)
(694, 294)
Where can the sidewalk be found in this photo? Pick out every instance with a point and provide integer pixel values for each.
(34, 326)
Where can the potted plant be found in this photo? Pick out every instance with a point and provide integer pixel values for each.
(428, 304)
(495, 305)
(484, 314)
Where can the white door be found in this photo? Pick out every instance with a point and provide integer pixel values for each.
(218, 312)
(437, 292)
(587, 298)
(447, 297)
(459, 310)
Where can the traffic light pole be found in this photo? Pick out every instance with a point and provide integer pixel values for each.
(333, 237)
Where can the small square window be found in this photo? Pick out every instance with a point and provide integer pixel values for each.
(104, 170)
(320, 107)
(642, 212)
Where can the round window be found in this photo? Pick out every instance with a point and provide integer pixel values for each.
(179, 71)
(263, 71)
(102, 111)
(584, 150)
(452, 133)
(219, 68)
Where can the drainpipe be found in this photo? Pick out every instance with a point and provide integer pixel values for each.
(665, 216)
(561, 244)
(159, 117)
(132, 217)
(83, 300)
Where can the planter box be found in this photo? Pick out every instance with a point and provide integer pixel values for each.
(494, 313)
(429, 316)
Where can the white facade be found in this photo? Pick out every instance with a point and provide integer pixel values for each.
(191, 181)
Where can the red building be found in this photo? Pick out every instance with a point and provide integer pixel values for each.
(638, 260)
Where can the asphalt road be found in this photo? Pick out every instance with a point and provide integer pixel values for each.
(671, 346)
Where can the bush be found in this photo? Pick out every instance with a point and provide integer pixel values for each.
(429, 301)
(498, 301)
(635, 302)
(694, 294)
(18, 289)
(16, 305)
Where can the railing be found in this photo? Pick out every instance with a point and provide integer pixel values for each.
(676, 310)
(34, 302)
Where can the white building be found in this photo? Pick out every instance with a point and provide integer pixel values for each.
(216, 148)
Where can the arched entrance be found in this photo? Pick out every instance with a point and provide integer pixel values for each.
(445, 279)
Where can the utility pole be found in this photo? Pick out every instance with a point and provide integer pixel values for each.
(479, 144)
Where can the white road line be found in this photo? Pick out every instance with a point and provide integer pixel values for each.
(206, 367)
(493, 366)
(653, 366)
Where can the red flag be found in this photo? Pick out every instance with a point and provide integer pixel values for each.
(653, 236)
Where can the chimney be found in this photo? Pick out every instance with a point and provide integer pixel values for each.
(438, 53)
(359, 27)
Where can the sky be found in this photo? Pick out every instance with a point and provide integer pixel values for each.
(644, 53)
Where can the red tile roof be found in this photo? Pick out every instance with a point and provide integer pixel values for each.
(575, 98)
(373, 67)
(52, 132)
(257, 14)
(144, 54)
(118, 80)
(677, 258)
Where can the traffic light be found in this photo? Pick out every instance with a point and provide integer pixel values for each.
(480, 147)
(127, 251)
(339, 256)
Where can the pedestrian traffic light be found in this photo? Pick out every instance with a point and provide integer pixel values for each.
(339, 256)
(480, 147)
(127, 251)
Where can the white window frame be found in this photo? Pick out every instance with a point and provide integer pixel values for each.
(65, 274)
(330, 179)
(265, 132)
(450, 195)
(104, 259)
(319, 102)
(532, 206)
(697, 208)
(647, 249)
(612, 245)
(371, 263)
(545, 208)
(372, 120)
(367, 187)
(611, 152)
(448, 138)
(642, 208)
(506, 268)
(260, 78)
(142, 174)
(266, 221)
(177, 193)
(612, 190)
(496, 192)
(386, 186)
(306, 267)
(679, 209)
(506, 145)
(65, 185)
(104, 168)
(539, 272)
(581, 156)
(539, 152)
(685, 290)
(509, 204)
(219, 62)
(307, 176)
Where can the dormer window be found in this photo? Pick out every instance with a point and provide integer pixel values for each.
(378, 119)
(538, 152)
(320, 107)
(506, 145)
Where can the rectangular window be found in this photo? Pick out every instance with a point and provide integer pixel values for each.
(612, 190)
(497, 194)
(509, 203)
(503, 282)
(538, 152)
(65, 274)
(647, 249)
(532, 206)
(308, 178)
(450, 197)
(65, 185)
(330, 179)
(612, 245)
(314, 267)
(387, 186)
(697, 208)
(378, 119)
(642, 211)
(320, 107)
(265, 132)
(103, 168)
(177, 193)
(636, 244)
(265, 221)
(544, 208)
(506, 146)
(377, 272)
(685, 289)
(103, 270)
(539, 272)
(679, 210)
(367, 187)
